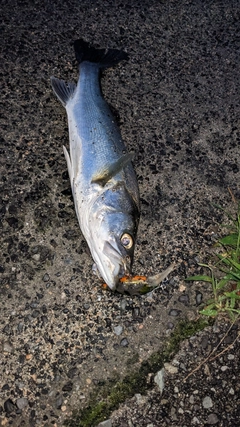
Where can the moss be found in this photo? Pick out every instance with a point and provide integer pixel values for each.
(132, 360)
(108, 397)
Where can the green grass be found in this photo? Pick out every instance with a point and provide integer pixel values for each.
(224, 275)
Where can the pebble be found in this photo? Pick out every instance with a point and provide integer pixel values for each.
(204, 342)
(59, 402)
(107, 423)
(9, 406)
(174, 312)
(184, 299)
(191, 399)
(199, 297)
(124, 342)
(22, 402)
(35, 313)
(118, 329)
(72, 372)
(159, 379)
(68, 386)
(230, 356)
(123, 304)
(170, 368)
(170, 325)
(195, 420)
(207, 402)
(212, 419)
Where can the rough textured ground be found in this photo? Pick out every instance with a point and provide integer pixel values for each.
(177, 103)
(201, 386)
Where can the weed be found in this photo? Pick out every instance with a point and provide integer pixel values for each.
(104, 399)
(225, 274)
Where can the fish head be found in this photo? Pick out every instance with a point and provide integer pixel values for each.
(113, 243)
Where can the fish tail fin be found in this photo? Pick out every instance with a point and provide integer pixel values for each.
(64, 91)
(104, 58)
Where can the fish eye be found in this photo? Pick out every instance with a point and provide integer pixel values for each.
(127, 241)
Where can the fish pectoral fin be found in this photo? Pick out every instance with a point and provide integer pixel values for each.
(108, 172)
(64, 91)
(69, 164)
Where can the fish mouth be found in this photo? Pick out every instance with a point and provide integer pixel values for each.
(120, 262)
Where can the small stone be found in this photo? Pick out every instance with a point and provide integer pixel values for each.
(68, 386)
(9, 406)
(207, 402)
(159, 379)
(173, 413)
(231, 391)
(107, 423)
(224, 368)
(35, 313)
(22, 402)
(72, 372)
(7, 347)
(34, 304)
(108, 322)
(199, 297)
(181, 411)
(123, 304)
(141, 400)
(170, 368)
(204, 342)
(191, 399)
(118, 329)
(136, 312)
(230, 356)
(174, 312)
(170, 325)
(212, 419)
(36, 257)
(59, 402)
(46, 277)
(184, 299)
(195, 420)
(124, 342)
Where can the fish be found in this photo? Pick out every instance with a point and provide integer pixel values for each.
(103, 181)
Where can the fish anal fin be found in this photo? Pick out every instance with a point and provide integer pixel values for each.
(69, 164)
(108, 172)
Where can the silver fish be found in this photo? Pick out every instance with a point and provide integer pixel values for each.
(102, 177)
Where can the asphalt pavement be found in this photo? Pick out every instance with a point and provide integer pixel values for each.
(176, 101)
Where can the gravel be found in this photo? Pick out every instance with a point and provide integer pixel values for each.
(177, 103)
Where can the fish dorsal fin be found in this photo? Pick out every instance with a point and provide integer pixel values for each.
(64, 91)
(108, 172)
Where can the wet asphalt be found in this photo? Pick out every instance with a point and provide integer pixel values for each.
(177, 104)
